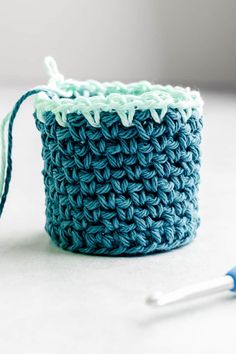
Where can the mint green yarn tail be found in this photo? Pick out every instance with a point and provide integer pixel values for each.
(6, 153)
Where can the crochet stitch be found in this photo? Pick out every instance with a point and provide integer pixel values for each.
(121, 191)
(92, 97)
(121, 164)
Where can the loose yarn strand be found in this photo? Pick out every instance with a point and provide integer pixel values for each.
(6, 155)
(3, 150)
(8, 121)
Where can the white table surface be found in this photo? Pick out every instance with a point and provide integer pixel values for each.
(56, 302)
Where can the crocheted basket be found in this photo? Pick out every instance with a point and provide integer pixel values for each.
(121, 165)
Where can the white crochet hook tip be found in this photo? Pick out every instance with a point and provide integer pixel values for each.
(227, 282)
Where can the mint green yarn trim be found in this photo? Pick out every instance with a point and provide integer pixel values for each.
(91, 97)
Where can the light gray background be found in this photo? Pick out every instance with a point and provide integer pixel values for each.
(181, 41)
(55, 302)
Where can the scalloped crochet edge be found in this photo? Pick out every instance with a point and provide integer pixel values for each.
(91, 97)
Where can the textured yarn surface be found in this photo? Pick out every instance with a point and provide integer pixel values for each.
(115, 190)
(91, 98)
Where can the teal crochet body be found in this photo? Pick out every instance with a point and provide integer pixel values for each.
(121, 164)
(121, 191)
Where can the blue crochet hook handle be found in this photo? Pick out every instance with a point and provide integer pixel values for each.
(227, 282)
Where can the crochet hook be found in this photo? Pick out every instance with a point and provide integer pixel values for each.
(213, 286)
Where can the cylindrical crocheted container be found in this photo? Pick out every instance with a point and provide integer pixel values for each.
(121, 165)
